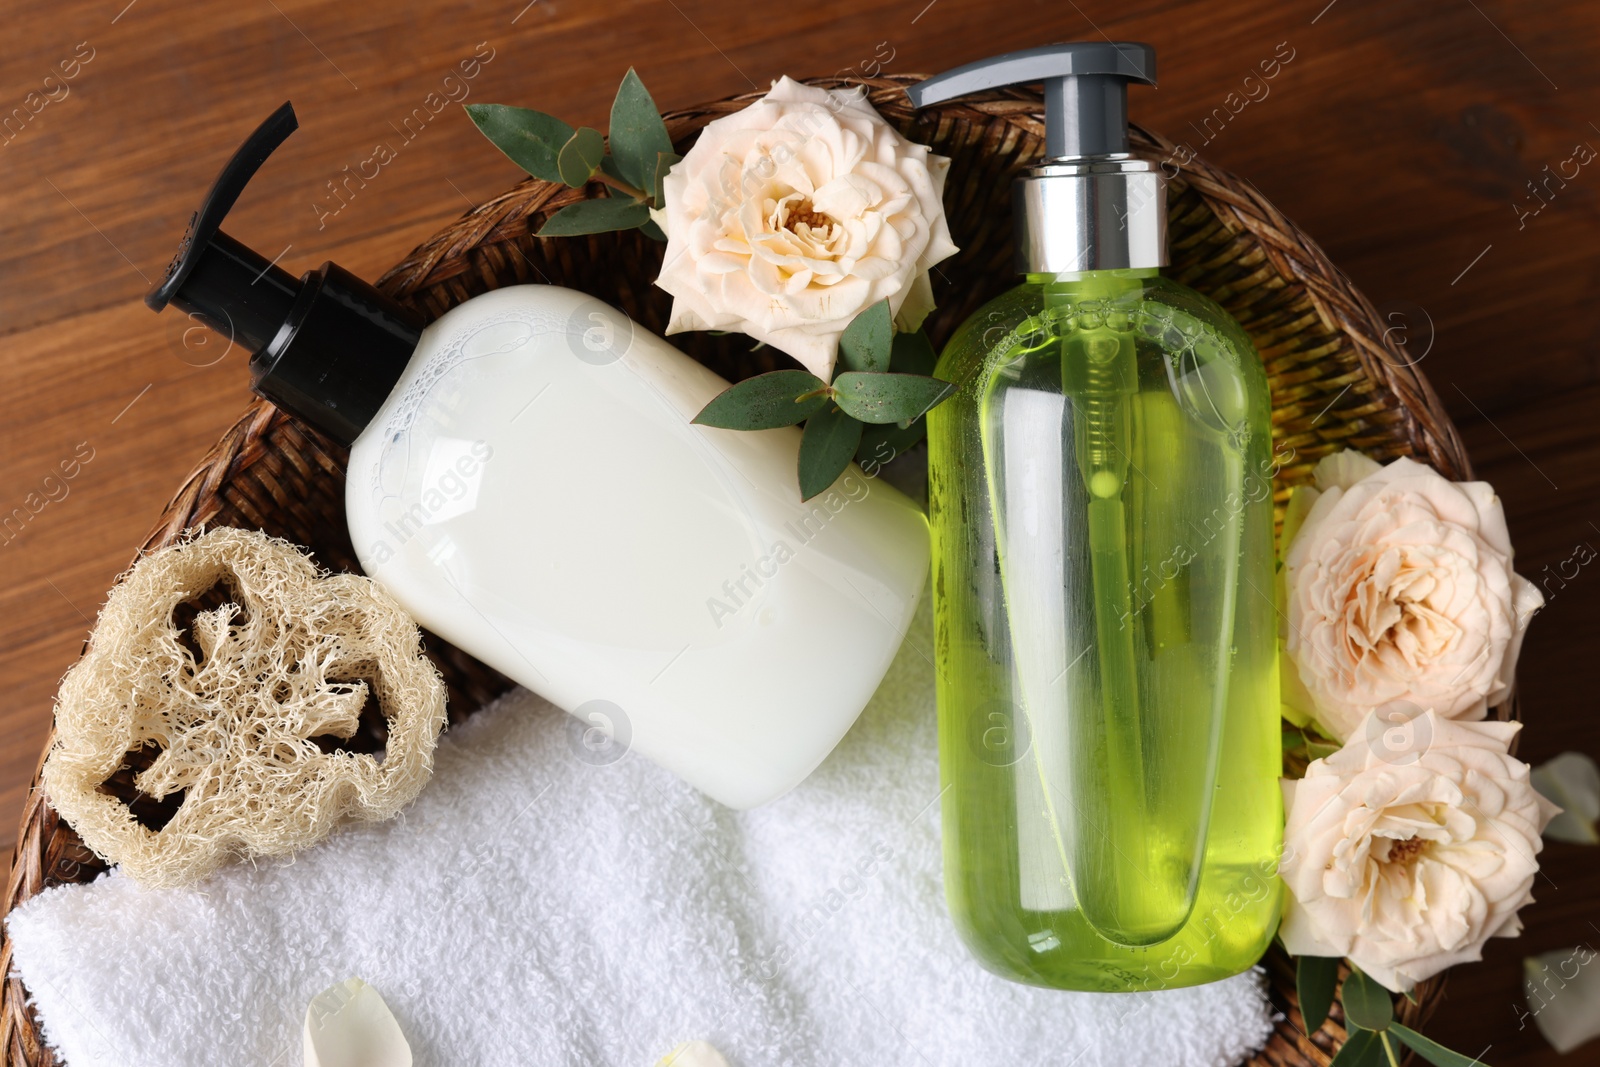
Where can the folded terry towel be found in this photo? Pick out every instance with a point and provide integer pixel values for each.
(541, 905)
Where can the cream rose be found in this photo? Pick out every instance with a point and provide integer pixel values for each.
(1401, 596)
(789, 217)
(1410, 847)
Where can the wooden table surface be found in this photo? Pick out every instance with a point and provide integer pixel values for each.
(1439, 151)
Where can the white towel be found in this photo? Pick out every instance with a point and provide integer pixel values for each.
(535, 906)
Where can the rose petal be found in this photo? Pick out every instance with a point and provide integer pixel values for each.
(1563, 993)
(1342, 469)
(1571, 781)
(693, 1054)
(349, 1025)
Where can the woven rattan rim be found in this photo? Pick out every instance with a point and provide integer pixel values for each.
(1338, 380)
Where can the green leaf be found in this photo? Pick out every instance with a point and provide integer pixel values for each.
(873, 397)
(652, 231)
(884, 442)
(1316, 749)
(665, 161)
(581, 156)
(638, 136)
(913, 354)
(766, 402)
(1295, 739)
(868, 341)
(1362, 1048)
(1316, 977)
(531, 139)
(829, 440)
(595, 216)
(1366, 1003)
(1432, 1051)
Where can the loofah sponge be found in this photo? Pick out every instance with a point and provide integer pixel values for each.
(234, 707)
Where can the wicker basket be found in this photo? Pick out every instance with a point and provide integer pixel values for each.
(1336, 382)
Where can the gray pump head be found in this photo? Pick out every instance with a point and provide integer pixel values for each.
(1089, 205)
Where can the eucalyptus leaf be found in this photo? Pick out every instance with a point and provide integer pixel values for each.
(826, 447)
(1295, 739)
(1320, 749)
(652, 231)
(530, 139)
(766, 402)
(1316, 978)
(1366, 1003)
(885, 442)
(665, 161)
(1362, 1048)
(868, 341)
(876, 397)
(1431, 1050)
(638, 136)
(913, 354)
(595, 216)
(581, 156)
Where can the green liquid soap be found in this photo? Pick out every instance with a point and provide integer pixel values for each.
(1101, 511)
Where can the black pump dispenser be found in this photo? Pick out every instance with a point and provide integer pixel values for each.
(327, 348)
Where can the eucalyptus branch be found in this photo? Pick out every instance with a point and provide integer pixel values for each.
(620, 186)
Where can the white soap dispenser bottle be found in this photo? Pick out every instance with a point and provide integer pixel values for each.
(525, 479)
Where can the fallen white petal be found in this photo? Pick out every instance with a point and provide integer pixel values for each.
(1572, 781)
(693, 1054)
(1563, 990)
(349, 1025)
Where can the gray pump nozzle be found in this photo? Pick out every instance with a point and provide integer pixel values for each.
(1085, 90)
(1088, 206)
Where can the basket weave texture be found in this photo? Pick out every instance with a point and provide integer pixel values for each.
(1337, 381)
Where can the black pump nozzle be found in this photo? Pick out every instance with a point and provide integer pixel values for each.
(211, 269)
(1085, 90)
(327, 348)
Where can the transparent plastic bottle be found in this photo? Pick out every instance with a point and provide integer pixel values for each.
(1101, 510)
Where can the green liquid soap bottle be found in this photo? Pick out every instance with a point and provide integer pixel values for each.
(1101, 508)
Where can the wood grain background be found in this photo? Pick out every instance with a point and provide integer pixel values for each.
(1403, 135)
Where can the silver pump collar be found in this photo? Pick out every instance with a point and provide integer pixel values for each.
(1106, 212)
(1090, 205)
